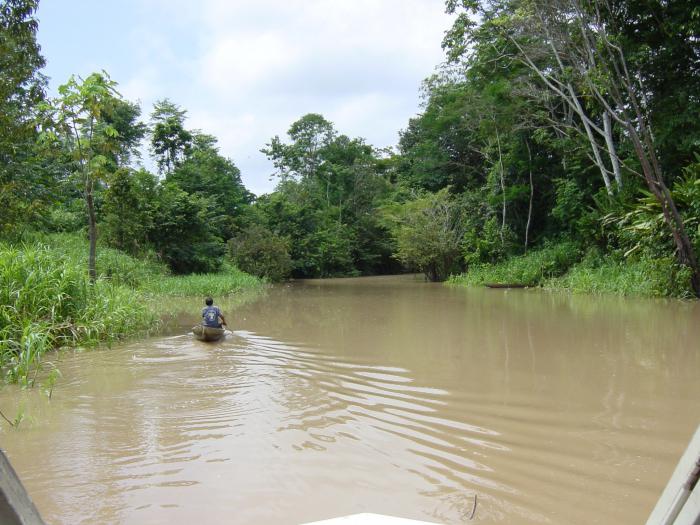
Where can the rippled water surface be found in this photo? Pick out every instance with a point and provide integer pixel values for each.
(386, 395)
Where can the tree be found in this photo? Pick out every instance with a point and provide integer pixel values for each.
(21, 91)
(574, 48)
(302, 159)
(328, 192)
(258, 251)
(429, 231)
(129, 210)
(124, 118)
(169, 138)
(439, 147)
(204, 172)
(184, 231)
(80, 122)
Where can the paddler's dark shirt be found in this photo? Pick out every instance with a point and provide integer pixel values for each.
(210, 316)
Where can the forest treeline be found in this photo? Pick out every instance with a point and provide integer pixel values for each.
(556, 145)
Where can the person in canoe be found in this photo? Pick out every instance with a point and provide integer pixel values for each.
(211, 315)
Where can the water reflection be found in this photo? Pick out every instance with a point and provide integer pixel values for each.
(373, 395)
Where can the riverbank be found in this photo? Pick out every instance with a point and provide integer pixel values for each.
(563, 267)
(47, 301)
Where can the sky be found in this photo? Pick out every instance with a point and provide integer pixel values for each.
(245, 70)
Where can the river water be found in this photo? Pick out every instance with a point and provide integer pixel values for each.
(386, 395)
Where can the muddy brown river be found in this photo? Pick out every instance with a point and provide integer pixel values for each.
(387, 395)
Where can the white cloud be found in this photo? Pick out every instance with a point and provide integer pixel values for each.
(246, 69)
(143, 86)
(237, 65)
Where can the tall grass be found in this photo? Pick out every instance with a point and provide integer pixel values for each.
(47, 301)
(560, 267)
(641, 277)
(113, 265)
(531, 269)
(229, 280)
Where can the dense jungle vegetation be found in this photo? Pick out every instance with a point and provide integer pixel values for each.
(558, 146)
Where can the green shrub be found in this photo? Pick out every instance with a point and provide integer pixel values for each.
(489, 244)
(429, 233)
(260, 252)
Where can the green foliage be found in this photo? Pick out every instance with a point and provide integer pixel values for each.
(112, 264)
(123, 118)
(664, 55)
(645, 277)
(438, 148)
(428, 231)
(184, 231)
(23, 181)
(260, 252)
(330, 249)
(169, 138)
(326, 202)
(304, 156)
(531, 269)
(205, 173)
(46, 301)
(228, 280)
(488, 243)
(129, 210)
(639, 227)
(568, 207)
(67, 218)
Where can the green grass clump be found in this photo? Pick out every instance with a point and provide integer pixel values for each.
(661, 277)
(111, 264)
(559, 267)
(229, 280)
(47, 301)
(531, 269)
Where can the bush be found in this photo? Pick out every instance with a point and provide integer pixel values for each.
(429, 233)
(488, 245)
(260, 252)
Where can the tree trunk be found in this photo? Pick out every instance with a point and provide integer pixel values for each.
(591, 139)
(532, 192)
(503, 188)
(672, 218)
(614, 160)
(92, 231)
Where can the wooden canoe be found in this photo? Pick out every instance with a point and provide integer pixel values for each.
(207, 333)
(500, 285)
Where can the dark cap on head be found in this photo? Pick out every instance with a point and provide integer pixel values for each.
(209, 301)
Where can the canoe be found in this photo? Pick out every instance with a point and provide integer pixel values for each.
(207, 333)
(499, 285)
